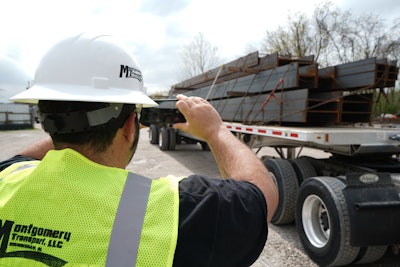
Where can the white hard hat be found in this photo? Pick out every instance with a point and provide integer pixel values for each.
(89, 69)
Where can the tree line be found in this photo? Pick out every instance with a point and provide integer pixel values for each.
(331, 35)
(334, 37)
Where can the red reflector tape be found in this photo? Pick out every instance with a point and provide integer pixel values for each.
(295, 135)
(276, 133)
(249, 129)
(262, 131)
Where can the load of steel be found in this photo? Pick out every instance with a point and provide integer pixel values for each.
(280, 89)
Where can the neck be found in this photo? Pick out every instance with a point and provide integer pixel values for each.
(109, 157)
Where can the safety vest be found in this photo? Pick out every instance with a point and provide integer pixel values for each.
(69, 211)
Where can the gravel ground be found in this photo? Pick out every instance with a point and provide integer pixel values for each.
(283, 247)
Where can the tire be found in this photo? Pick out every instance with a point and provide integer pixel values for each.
(163, 140)
(285, 178)
(172, 139)
(370, 254)
(303, 168)
(153, 134)
(323, 222)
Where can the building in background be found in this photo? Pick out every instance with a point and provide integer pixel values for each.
(13, 80)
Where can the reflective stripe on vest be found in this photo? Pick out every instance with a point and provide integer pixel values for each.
(128, 223)
(101, 203)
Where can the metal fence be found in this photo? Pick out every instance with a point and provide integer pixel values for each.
(16, 116)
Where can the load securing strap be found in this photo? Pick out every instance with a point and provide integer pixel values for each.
(128, 223)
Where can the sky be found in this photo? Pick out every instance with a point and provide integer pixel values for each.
(155, 30)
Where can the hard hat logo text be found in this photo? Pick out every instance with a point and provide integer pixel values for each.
(129, 72)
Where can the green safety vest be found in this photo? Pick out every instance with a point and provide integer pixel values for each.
(69, 211)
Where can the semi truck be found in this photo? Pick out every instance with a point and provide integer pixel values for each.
(346, 206)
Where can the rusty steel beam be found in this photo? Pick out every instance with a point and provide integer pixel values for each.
(199, 80)
(294, 76)
(243, 66)
(366, 73)
(285, 90)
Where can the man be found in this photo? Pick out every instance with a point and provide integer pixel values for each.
(69, 200)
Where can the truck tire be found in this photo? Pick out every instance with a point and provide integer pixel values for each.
(323, 222)
(163, 140)
(172, 139)
(370, 254)
(285, 178)
(303, 168)
(153, 134)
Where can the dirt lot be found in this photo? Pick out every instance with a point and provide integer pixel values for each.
(283, 247)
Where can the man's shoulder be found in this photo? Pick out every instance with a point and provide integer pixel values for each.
(200, 190)
(203, 184)
(15, 159)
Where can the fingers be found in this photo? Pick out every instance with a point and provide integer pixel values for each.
(185, 104)
(181, 126)
(201, 118)
(181, 97)
(183, 107)
(192, 99)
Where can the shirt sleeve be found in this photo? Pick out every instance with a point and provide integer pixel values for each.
(18, 158)
(221, 222)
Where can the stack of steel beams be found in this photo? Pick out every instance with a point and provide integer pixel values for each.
(281, 89)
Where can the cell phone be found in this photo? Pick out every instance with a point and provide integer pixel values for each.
(165, 113)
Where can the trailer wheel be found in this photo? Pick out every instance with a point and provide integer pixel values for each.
(323, 223)
(285, 178)
(153, 134)
(370, 254)
(163, 140)
(303, 168)
(172, 138)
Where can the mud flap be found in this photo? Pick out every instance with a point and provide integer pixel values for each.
(374, 209)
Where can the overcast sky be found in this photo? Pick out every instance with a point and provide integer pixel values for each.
(155, 30)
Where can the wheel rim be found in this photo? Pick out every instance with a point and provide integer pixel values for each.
(316, 221)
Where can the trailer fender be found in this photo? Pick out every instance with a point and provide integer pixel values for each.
(374, 209)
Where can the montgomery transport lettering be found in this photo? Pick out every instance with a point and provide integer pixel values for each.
(32, 237)
(38, 231)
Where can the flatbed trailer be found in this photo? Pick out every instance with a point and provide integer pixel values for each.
(347, 206)
(346, 140)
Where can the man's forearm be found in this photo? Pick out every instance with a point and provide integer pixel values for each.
(235, 160)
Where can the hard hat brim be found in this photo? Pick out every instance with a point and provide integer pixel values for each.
(57, 92)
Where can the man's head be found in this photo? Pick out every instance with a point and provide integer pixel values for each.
(67, 122)
(87, 87)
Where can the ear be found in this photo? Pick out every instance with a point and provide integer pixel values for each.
(129, 128)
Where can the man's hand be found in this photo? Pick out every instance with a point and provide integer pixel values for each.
(202, 120)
